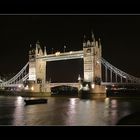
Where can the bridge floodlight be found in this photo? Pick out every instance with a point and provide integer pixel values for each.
(70, 52)
(19, 86)
(92, 85)
(98, 62)
(79, 78)
(32, 88)
(57, 53)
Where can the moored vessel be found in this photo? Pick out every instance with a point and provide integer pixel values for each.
(35, 101)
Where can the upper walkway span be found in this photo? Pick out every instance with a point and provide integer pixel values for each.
(62, 56)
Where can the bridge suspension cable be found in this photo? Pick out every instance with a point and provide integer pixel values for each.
(20, 77)
(118, 72)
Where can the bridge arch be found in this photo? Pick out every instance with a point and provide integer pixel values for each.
(64, 90)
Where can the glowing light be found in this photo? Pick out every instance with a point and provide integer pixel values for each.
(86, 87)
(107, 103)
(32, 88)
(98, 62)
(70, 52)
(72, 101)
(57, 53)
(113, 103)
(27, 87)
(19, 86)
(106, 88)
(92, 85)
(86, 77)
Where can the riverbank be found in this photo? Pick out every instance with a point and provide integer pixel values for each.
(25, 94)
(34, 94)
(123, 93)
(65, 95)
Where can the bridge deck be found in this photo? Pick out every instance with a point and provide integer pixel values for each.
(62, 56)
(118, 84)
(64, 84)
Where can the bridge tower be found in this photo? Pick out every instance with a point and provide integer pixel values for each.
(37, 68)
(92, 50)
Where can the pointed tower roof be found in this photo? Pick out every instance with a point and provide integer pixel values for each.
(99, 42)
(45, 53)
(92, 36)
(84, 38)
(37, 42)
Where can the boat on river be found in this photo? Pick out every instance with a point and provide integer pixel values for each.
(35, 101)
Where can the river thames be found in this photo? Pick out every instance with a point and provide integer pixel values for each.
(66, 111)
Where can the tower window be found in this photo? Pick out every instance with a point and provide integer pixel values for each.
(88, 50)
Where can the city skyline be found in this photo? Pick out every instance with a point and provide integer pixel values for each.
(119, 36)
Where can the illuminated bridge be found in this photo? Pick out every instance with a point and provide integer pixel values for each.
(97, 70)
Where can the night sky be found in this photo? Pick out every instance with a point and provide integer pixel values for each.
(120, 38)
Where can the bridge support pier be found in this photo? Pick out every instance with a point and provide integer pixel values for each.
(36, 88)
(47, 87)
(92, 91)
(33, 87)
(99, 91)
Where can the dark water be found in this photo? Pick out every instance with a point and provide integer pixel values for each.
(66, 111)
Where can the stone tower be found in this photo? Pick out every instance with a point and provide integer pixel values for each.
(92, 50)
(37, 68)
(92, 60)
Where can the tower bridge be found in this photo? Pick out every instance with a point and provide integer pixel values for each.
(97, 70)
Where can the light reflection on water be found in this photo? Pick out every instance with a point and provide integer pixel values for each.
(66, 111)
(18, 114)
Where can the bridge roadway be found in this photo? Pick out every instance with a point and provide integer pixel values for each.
(76, 84)
(102, 83)
(62, 56)
(65, 84)
(50, 85)
(118, 84)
